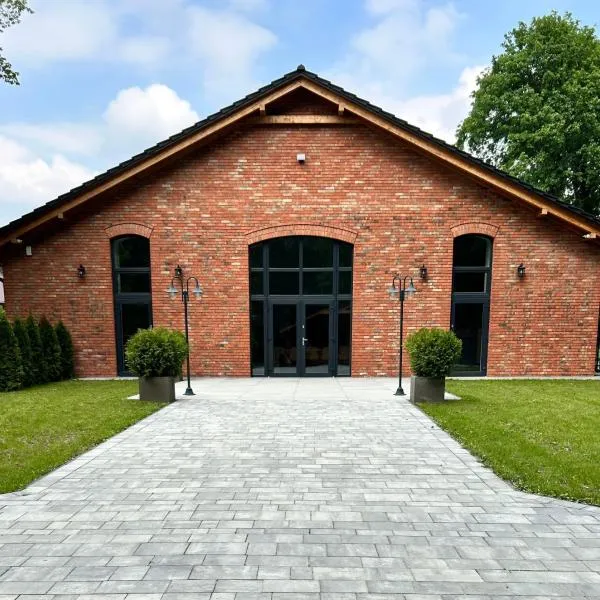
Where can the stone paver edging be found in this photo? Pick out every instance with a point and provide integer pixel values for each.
(290, 490)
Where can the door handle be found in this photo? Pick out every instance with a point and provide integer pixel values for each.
(304, 340)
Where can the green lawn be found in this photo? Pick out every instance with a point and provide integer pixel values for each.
(543, 436)
(45, 426)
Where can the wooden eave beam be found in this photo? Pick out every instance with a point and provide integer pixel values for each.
(302, 120)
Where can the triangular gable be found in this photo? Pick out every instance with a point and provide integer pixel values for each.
(268, 106)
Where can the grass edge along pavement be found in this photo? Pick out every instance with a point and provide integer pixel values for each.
(540, 435)
(43, 427)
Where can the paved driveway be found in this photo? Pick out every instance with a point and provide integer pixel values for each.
(287, 489)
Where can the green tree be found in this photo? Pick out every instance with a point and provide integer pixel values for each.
(11, 369)
(67, 352)
(38, 361)
(536, 109)
(25, 349)
(10, 14)
(51, 349)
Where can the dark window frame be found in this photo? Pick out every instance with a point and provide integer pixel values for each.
(475, 298)
(119, 298)
(335, 296)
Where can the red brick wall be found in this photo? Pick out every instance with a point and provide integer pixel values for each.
(403, 210)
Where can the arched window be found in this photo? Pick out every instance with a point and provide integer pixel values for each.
(132, 291)
(471, 285)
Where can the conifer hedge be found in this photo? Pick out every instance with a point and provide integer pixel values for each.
(11, 368)
(33, 353)
(51, 349)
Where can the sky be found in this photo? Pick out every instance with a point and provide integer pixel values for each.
(101, 80)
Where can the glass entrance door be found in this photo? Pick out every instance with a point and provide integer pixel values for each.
(300, 307)
(300, 338)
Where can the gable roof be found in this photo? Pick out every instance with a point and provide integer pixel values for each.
(348, 103)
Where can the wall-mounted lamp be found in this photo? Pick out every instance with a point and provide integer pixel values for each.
(423, 272)
(301, 157)
(178, 272)
(521, 271)
(28, 251)
(81, 272)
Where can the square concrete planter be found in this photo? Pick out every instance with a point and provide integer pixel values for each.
(427, 389)
(161, 389)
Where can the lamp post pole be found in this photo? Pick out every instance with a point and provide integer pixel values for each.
(185, 296)
(400, 289)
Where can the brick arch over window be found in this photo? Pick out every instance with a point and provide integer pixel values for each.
(480, 228)
(337, 233)
(128, 229)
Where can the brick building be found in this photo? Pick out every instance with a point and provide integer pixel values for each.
(294, 207)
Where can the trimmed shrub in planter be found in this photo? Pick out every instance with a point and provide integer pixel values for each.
(51, 350)
(38, 360)
(25, 348)
(433, 352)
(156, 356)
(67, 352)
(11, 369)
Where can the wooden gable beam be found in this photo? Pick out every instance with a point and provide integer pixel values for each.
(450, 158)
(133, 171)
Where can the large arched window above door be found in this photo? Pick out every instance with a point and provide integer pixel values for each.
(132, 290)
(471, 286)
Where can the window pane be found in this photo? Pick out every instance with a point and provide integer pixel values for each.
(257, 338)
(472, 251)
(256, 282)
(468, 326)
(134, 283)
(317, 252)
(132, 251)
(284, 339)
(316, 351)
(344, 332)
(256, 256)
(282, 282)
(345, 255)
(284, 252)
(318, 282)
(469, 282)
(134, 317)
(345, 282)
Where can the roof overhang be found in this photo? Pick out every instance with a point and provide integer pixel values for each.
(253, 109)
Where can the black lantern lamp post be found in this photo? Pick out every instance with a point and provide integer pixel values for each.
(185, 296)
(400, 290)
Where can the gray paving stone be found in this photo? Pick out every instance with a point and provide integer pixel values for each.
(266, 489)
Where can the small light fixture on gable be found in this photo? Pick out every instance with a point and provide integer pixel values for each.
(521, 271)
(81, 272)
(301, 157)
(28, 251)
(423, 272)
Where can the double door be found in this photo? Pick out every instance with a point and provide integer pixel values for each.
(301, 337)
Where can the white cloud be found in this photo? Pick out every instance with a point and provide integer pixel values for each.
(34, 168)
(227, 44)
(27, 180)
(249, 5)
(62, 30)
(440, 114)
(65, 137)
(146, 116)
(408, 38)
